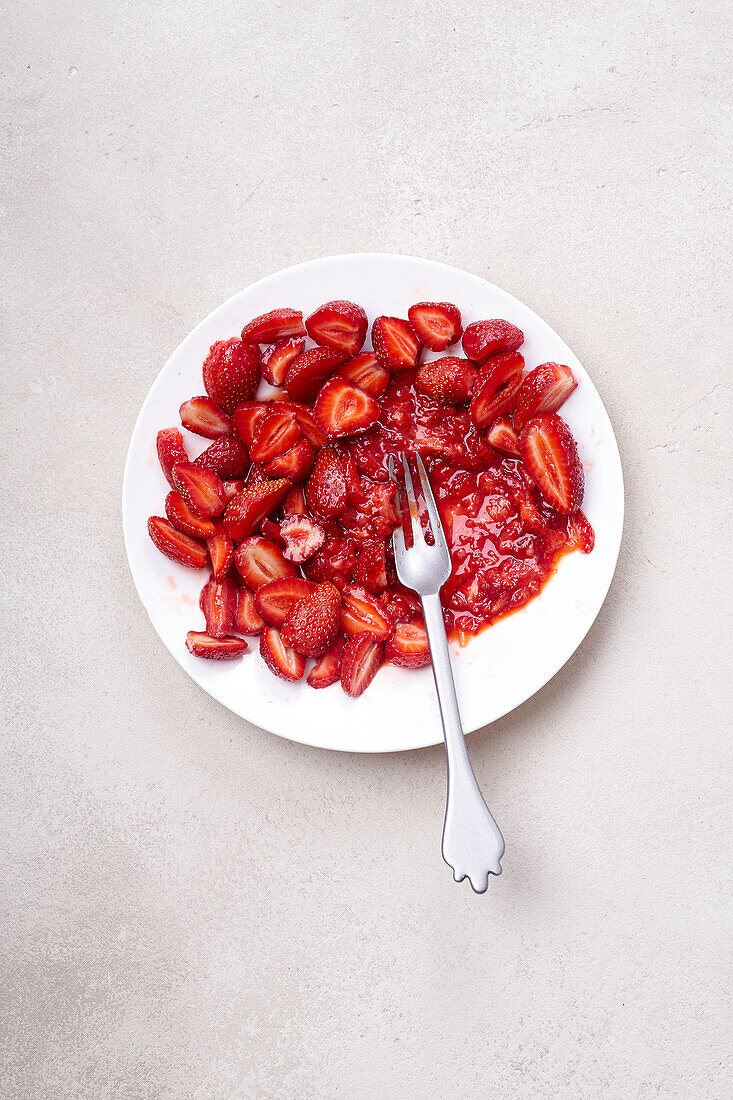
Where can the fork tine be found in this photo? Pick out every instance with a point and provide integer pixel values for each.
(398, 534)
(418, 536)
(427, 490)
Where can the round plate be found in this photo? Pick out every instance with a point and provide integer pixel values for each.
(497, 670)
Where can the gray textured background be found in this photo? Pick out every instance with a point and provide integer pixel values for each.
(192, 907)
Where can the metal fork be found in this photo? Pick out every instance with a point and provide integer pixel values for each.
(472, 843)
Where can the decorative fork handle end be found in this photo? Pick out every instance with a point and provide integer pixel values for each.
(472, 841)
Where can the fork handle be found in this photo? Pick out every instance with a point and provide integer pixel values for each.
(472, 842)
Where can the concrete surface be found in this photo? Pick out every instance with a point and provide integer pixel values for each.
(194, 908)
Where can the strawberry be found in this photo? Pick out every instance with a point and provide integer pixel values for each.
(500, 368)
(200, 488)
(246, 417)
(550, 455)
(204, 417)
(175, 545)
(295, 464)
(361, 612)
(294, 503)
(258, 562)
(275, 600)
(256, 476)
(274, 435)
(449, 380)
(326, 669)
(409, 646)
(543, 391)
(365, 372)
(312, 625)
(338, 325)
(225, 456)
(343, 409)
(371, 567)
(308, 427)
(221, 553)
(271, 530)
(360, 661)
(215, 649)
(247, 619)
(396, 345)
(437, 325)
(326, 487)
(503, 437)
(171, 451)
(302, 538)
(496, 391)
(310, 370)
(218, 601)
(277, 359)
(403, 607)
(485, 338)
(278, 324)
(580, 533)
(231, 373)
(282, 661)
(247, 508)
(186, 521)
(231, 488)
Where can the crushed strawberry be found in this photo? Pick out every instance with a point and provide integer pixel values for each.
(503, 437)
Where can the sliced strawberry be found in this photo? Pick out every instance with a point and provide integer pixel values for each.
(171, 451)
(402, 607)
(247, 619)
(231, 488)
(543, 391)
(294, 503)
(221, 552)
(338, 325)
(245, 418)
(550, 455)
(271, 530)
(395, 343)
(365, 372)
(204, 417)
(275, 600)
(503, 437)
(277, 359)
(333, 562)
(500, 368)
(274, 435)
(312, 625)
(259, 562)
(580, 533)
(371, 567)
(278, 324)
(231, 373)
(247, 508)
(360, 661)
(218, 601)
(491, 399)
(437, 325)
(256, 476)
(302, 537)
(310, 370)
(215, 649)
(306, 422)
(201, 489)
(186, 521)
(485, 338)
(282, 661)
(326, 670)
(295, 464)
(362, 612)
(409, 646)
(225, 456)
(326, 486)
(175, 545)
(343, 409)
(449, 380)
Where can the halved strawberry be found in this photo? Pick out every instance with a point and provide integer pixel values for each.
(231, 488)
(215, 649)
(225, 456)
(271, 530)
(247, 619)
(231, 373)
(221, 552)
(503, 437)
(201, 489)
(312, 625)
(175, 545)
(485, 338)
(326, 487)
(204, 417)
(580, 533)
(282, 661)
(245, 419)
(495, 392)
(294, 503)
(395, 343)
(310, 370)
(343, 409)
(308, 427)
(218, 602)
(169, 443)
(186, 521)
(500, 368)
(247, 508)
(409, 646)
(361, 612)
(295, 464)
(437, 325)
(365, 372)
(543, 390)
(274, 435)
(275, 600)
(278, 324)
(550, 455)
(449, 380)
(326, 670)
(339, 325)
(360, 661)
(278, 357)
(258, 561)
(302, 537)
(371, 567)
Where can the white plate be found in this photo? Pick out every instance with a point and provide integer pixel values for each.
(497, 670)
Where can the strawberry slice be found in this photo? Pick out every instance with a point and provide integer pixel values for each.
(580, 533)
(395, 343)
(200, 488)
(543, 390)
(409, 646)
(186, 521)
(550, 455)
(175, 545)
(365, 372)
(360, 661)
(339, 325)
(256, 476)
(247, 508)
(501, 368)
(271, 530)
(258, 561)
(310, 370)
(218, 601)
(343, 409)
(503, 437)
(231, 488)
(295, 464)
(245, 419)
(362, 613)
(312, 625)
(225, 456)
(231, 373)
(215, 649)
(326, 670)
(278, 324)
(294, 503)
(449, 380)
(277, 359)
(302, 537)
(326, 487)
(247, 619)
(221, 553)
(371, 567)
(495, 392)
(275, 600)
(274, 435)
(485, 338)
(171, 451)
(306, 423)
(437, 325)
(282, 661)
(204, 417)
